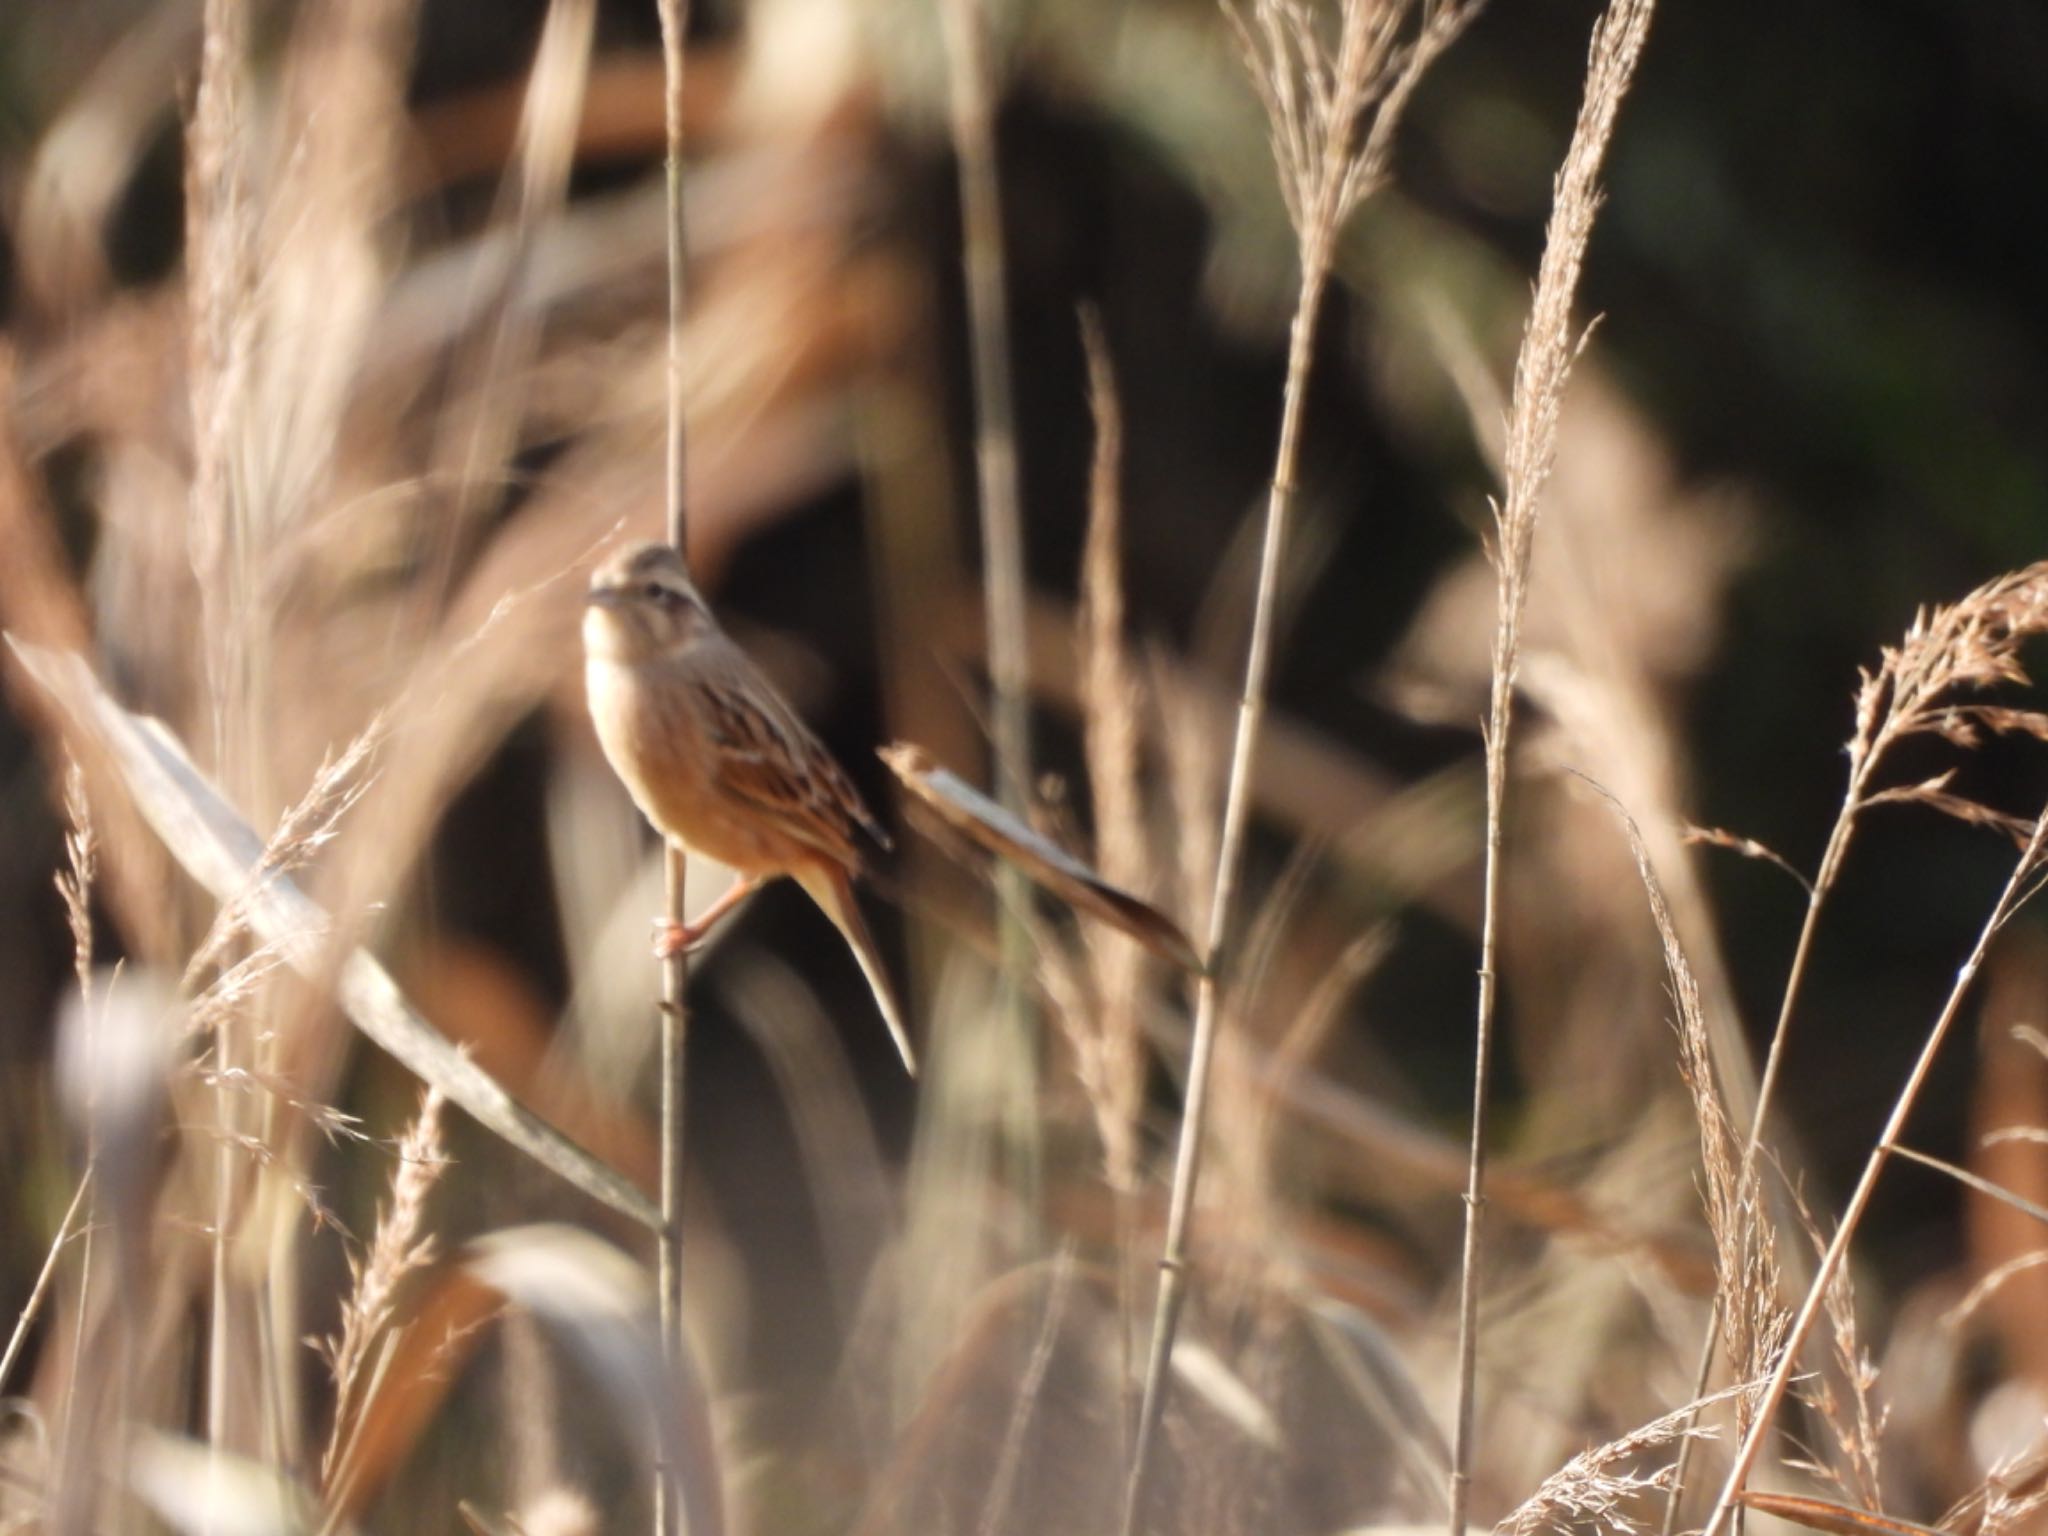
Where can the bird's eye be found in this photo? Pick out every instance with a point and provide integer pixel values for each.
(655, 592)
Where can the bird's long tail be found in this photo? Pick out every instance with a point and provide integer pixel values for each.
(832, 890)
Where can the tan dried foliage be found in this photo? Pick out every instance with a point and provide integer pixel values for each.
(1334, 102)
(400, 1248)
(1753, 1320)
(1921, 687)
(1601, 1488)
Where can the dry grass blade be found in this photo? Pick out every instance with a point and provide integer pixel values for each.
(1975, 1181)
(1597, 1486)
(967, 811)
(219, 850)
(1378, 1378)
(594, 1300)
(199, 1490)
(1839, 1519)
(397, 1250)
(480, 433)
(1749, 848)
(2015, 1488)
(1550, 345)
(1751, 1319)
(1988, 1285)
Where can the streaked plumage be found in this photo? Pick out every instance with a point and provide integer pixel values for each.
(715, 757)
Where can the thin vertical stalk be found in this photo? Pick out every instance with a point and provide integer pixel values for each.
(1251, 708)
(1332, 105)
(675, 971)
(1500, 720)
(970, 93)
(995, 421)
(217, 259)
(2017, 890)
(26, 1320)
(1543, 365)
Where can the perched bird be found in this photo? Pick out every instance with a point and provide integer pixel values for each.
(716, 758)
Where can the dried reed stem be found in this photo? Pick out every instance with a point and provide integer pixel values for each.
(970, 93)
(1550, 345)
(2021, 885)
(1236, 816)
(995, 426)
(1318, 97)
(669, 1501)
(217, 244)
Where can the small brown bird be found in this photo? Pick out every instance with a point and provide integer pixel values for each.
(716, 758)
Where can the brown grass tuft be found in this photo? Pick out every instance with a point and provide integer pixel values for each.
(399, 1248)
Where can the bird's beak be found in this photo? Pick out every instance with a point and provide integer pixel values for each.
(605, 597)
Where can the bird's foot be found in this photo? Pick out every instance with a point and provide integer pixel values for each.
(672, 939)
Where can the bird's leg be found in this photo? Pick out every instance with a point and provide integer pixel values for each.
(671, 939)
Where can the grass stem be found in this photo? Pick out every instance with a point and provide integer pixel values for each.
(995, 418)
(1550, 345)
(675, 971)
(1173, 1263)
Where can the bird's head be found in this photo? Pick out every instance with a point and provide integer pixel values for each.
(642, 606)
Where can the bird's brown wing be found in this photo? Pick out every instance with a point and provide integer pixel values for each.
(768, 760)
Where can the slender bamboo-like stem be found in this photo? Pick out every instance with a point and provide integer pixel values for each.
(2017, 889)
(675, 972)
(1229, 859)
(220, 538)
(1500, 719)
(995, 420)
(1550, 345)
(1333, 104)
(970, 90)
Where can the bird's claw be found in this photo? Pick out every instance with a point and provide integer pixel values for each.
(672, 939)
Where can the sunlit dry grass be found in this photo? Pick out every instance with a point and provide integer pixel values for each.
(343, 473)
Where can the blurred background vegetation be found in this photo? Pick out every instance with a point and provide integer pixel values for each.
(1812, 402)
